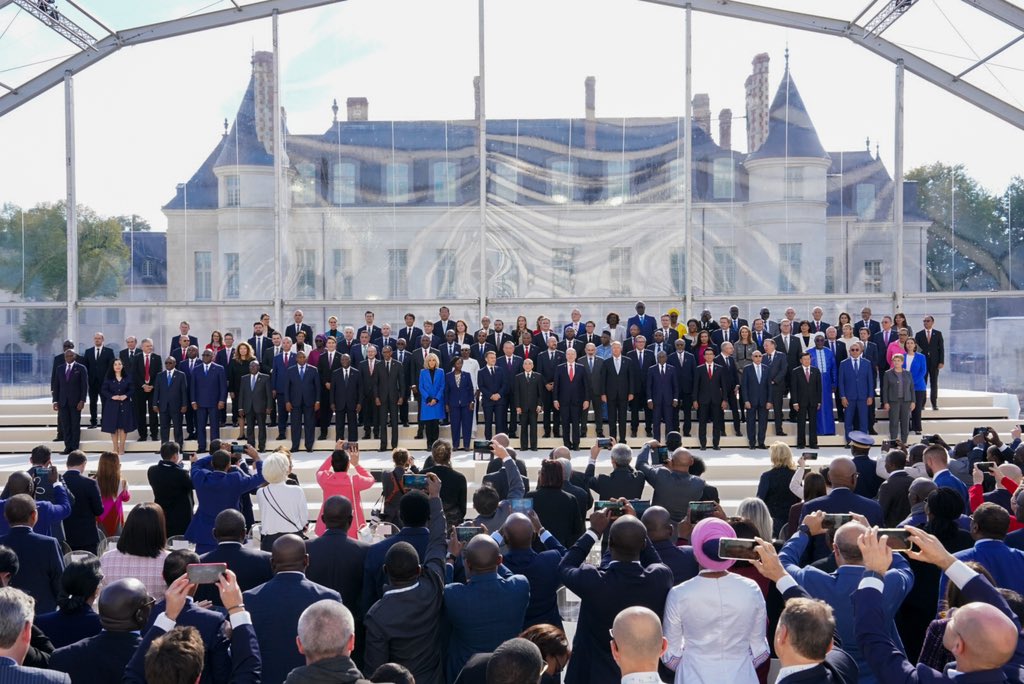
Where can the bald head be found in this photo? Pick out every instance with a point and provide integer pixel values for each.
(502, 439)
(681, 460)
(560, 452)
(288, 554)
(337, 513)
(847, 551)
(980, 637)
(481, 555)
(518, 531)
(658, 523)
(638, 640)
(842, 472)
(229, 525)
(627, 538)
(124, 605)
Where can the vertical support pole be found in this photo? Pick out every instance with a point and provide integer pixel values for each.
(482, 155)
(278, 173)
(688, 169)
(897, 197)
(72, 206)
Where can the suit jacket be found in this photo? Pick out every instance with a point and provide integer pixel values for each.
(275, 607)
(250, 565)
(411, 336)
(679, 559)
(856, 386)
(576, 344)
(873, 325)
(732, 373)
(390, 341)
(541, 571)
(662, 387)
(547, 366)
(80, 526)
(368, 380)
(512, 369)
(174, 397)
(757, 393)
(534, 351)
(840, 500)
(99, 659)
(258, 400)
(804, 391)
(12, 673)
(837, 668)
(419, 361)
(374, 331)
(508, 484)
(819, 326)
(791, 352)
(459, 396)
(709, 390)
(64, 628)
(571, 392)
(934, 350)
(302, 391)
(70, 390)
(479, 352)
(245, 657)
(208, 387)
(265, 343)
(527, 394)
(98, 367)
(292, 331)
(618, 386)
(645, 325)
(1003, 562)
(898, 387)
(346, 395)
(216, 492)
(135, 367)
(493, 382)
(868, 480)
(42, 565)
(336, 562)
(176, 344)
(373, 567)
(724, 335)
(325, 368)
(595, 376)
(878, 337)
(605, 591)
(215, 633)
(390, 384)
(172, 489)
(621, 482)
(685, 369)
(357, 356)
(498, 339)
(892, 498)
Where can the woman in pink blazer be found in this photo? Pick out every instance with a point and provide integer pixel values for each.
(335, 477)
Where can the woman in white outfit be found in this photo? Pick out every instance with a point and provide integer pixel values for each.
(715, 623)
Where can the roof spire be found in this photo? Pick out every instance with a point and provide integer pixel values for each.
(867, 143)
(334, 108)
(787, 56)
(225, 126)
(877, 155)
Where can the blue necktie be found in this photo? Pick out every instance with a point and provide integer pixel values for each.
(302, 372)
(170, 376)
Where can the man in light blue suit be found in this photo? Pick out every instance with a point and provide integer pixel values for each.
(856, 390)
(756, 392)
(302, 400)
(209, 392)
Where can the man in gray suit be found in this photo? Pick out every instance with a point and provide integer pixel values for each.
(255, 397)
(391, 392)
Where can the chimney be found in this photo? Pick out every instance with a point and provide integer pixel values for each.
(702, 112)
(476, 98)
(590, 132)
(756, 87)
(263, 98)
(358, 109)
(725, 129)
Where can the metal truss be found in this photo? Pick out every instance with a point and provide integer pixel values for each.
(892, 11)
(46, 11)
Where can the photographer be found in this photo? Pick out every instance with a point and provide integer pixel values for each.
(674, 486)
(218, 486)
(622, 482)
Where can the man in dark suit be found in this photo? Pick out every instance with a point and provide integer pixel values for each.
(183, 331)
(293, 329)
(28, 649)
(387, 339)
(69, 388)
(218, 487)
(255, 398)
(619, 379)
(98, 360)
(894, 492)
(732, 385)
(335, 559)
(856, 390)
(404, 626)
(371, 330)
(250, 565)
(778, 377)
(283, 361)
(709, 399)
(805, 394)
(818, 324)
(661, 530)
(131, 349)
(571, 340)
(369, 371)
(172, 489)
(638, 578)
(547, 362)
(842, 499)
(179, 348)
(492, 381)
(788, 344)
(498, 337)
(684, 365)
(445, 323)
(866, 322)
(209, 393)
(345, 399)
(725, 332)
(170, 400)
(527, 398)
(623, 482)
(662, 394)
(260, 342)
(80, 527)
(643, 359)
(410, 333)
(124, 609)
(513, 366)
(275, 607)
(929, 341)
(414, 509)
(404, 357)
(594, 367)
(645, 324)
(660, 344)
(527, 349)
(58, 363)
(571, 398)
(436, 340)
(479, 349)
(39, 555)
(144, 366)
(389, 395)
(755, 388)
(330, 361)
(540, 569)
(302, 400)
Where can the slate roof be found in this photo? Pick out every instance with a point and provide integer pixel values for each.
(242, 146)
(790, 130)
(147, 246)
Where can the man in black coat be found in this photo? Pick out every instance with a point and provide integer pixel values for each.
(547, 362)
(684, 364)
(389, 394)
(709, 398)
(622, 482)
(172, 489)
(929, 342)
(778, 379)
(594, 367)
(894, 493)
(39, 556)
(80, 527)
(69, 387)
(805, 393)
(330, 361)
(58, 363)
(144, 368)
(250, 565)
(98, 361)
(346, 397)
(293, 329)
(171, 401)
(527, 398)
(336, 559)
(618, 383)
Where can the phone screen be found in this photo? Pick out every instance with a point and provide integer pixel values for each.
(481, 445)
(739, 549)
(898, 539)
(520, 505)
(205, 573)
(810, 455)
(614, 508)
(700, 510)
(237, 448)
(604, 443)
(833, 521)
(466, 532)
(413, 481)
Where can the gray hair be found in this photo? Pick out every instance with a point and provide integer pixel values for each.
(146, 339)
(16, 610)
(621, 455)
(276, 467)
(756, 511)
(566, 468)
(349, 328)
(325, 628)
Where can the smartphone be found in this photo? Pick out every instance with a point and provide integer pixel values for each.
(738, 549)
(833, 521)
(482, 445)
(810, 455)
(614, 508)
(238, 448)
(663, 454)
(520, 505)
(639, 506)
(188, 456)
(466, 532)
(605, 442)
(205, 573)
(986, 466)
(899, 539)
(928, 439)
(888, 444)
(979, 431)
(700, 510)
(412, 481)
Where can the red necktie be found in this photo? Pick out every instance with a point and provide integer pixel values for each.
(147, 369)
(807, 372)
(526, 352)
(570, 372)
(710, 376)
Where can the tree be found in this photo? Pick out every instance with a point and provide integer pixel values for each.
(33, 262)
(133, 223)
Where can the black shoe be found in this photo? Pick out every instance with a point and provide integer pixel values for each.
(813, 446)
(405, 425)
(703, 448)
(800, 446)
(686, 434)
(67, 451)
(752, 446)
(142, 438)
(309, 450)
(761, 446)
(650, 432)
(872, 431)
(739, 433)
(600, 435)
(261, 447)
(780, 433)
(58, 438)
(93, 425)
(322, 436)
(281, 437)
(546, 435)
(633, 434)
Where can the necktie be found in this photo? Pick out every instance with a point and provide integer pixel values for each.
(346, 375)
(259, 347)
(591, 365)
(757, 370)
(206, 369)
(364, 352)
(570, 371)
(886, 338)
(526, 352)
(285, 359)
(147, 369)
(492, 370)
(760, 340)
(618, 363)
(551, 355)
(330, 360)
(67, 373)
(528, 377)
(709, 371)
(387, 366)
(662, 369)
(371, 366)
(807, 373)
(252, 383)
(302, 371)
(928, 334)
(170, 376)
(856, 365)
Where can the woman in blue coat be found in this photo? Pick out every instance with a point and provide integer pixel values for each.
(431, 389)
(824, 360)
(460, 396)
(118, 413)
(915, 362)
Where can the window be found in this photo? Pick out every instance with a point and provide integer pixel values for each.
(505, 182)
(203, 275)
(503, 271)
(111, 317)
(305, 263)
(445, 284)
(232, 191)
(873, 275)
(342, 259)
(304, 189)
(561, 186)
(794, 182)
(619, 271)
(725, 270)
(677, 271)
(445, 179)
(830, 275)
(344, 179)
(864, 201)
(398, 285)
(619, 173)
(12, 316)
(148, 269)
(563, 270)
(231, 275)
(789, 266)
(723, 178)
(397, 182)
(676, 179)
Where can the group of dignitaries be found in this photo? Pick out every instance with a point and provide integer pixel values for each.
(652, 370)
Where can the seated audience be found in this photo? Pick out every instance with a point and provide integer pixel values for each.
(251, 566)
(638, 644)
(16, 613)
(540, 569)
(39, 554)
(326, 637)
(559, 511)
(140, 550)
(74, 618)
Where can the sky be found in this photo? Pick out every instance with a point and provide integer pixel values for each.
(147, 116)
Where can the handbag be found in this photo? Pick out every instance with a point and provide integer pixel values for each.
(272, 500)
(377, 511)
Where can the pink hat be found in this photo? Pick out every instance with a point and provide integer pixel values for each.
(705, 538)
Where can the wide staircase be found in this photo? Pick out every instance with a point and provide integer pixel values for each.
(734, 470)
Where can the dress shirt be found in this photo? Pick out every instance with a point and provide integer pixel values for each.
(793, 669)
(149, 571)
(283, 507)
(642, 678)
